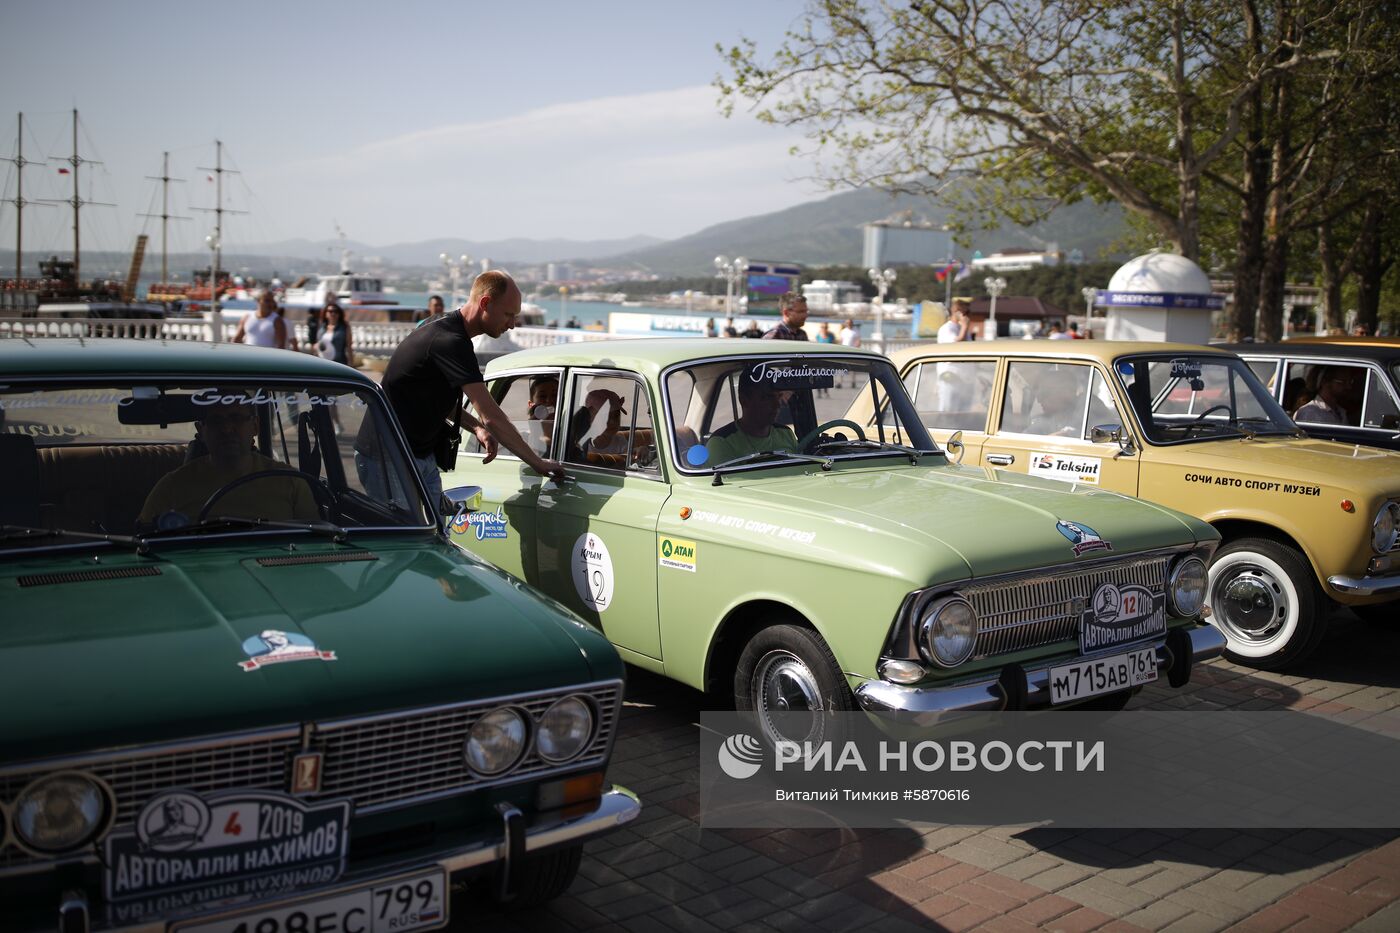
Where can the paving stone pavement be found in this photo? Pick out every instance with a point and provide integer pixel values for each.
(664, 873)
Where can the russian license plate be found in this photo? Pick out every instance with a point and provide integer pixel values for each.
(399, 905)
(1102, 675)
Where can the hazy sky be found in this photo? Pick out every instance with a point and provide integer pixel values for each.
(402, 121)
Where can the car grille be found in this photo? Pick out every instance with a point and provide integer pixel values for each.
(1028, 612)
(378, 762)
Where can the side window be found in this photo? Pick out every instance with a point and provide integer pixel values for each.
(955, 396)
(610, 425)
(1380, 410)
(529, 401)
(1332, 393)
(1047, 399)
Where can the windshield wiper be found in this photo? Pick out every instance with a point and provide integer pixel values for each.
(912, 453)
(25, 531)
(761, 455)
(337, 533)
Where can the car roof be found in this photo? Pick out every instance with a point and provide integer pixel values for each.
(652, 355)
(1104, 351)
(1361, 348)
(80, 356)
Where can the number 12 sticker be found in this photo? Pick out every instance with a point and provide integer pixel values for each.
(593, 572)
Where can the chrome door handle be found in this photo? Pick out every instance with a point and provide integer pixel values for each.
(1001, 459)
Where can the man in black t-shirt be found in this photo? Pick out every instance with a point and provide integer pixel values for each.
(435, 364)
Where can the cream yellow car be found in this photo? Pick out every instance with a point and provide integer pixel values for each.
(1304, 521)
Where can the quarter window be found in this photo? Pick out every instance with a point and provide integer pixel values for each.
(529, 401)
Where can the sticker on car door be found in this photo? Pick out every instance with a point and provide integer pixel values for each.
(1065, 468)
(593, 572)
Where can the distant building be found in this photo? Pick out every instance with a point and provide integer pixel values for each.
(823, 295)
(900, 240)
(1016, 260)
(558, 272)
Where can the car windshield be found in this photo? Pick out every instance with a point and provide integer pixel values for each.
(94, 462)
(765, 410)
(1180, 399)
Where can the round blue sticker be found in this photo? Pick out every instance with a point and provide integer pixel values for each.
(697, 455)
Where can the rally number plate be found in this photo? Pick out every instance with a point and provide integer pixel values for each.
(1102, 675)
(400, 905)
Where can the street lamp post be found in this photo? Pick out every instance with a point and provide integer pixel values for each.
(995, 285)
(455, 268)
(733, 272)
(882, 280)
(1089, 293)
(564, 304)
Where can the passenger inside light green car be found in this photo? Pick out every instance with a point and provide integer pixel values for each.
(756, 430)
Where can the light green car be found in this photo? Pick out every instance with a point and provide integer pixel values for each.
(723, 530)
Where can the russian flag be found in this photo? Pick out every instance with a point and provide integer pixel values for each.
(942, 274)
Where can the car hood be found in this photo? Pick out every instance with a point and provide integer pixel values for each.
(940, 523)
(160, 651)
(1355, 468)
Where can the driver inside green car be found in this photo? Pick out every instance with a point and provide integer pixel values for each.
(180, 497)
(756, 429)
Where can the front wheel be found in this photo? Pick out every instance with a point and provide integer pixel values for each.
(789, 679)
(1265, 600)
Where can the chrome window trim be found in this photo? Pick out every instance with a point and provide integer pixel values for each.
(660, 475)
(503, 453)
(1373, 370)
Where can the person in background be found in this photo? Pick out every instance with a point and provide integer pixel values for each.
(794, 310)
(752, 331)
(435, 308)
(710, 330)
(729, 329)
(1360, 330)
(430, 370)
(957, 327)
(824, 334)
(264, 328)
(1057, 332)
(334, 340)
(850, 334)
(1074, 333)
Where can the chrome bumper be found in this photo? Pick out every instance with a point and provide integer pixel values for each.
(1365, 586)
(1018, 688)
(616, 807)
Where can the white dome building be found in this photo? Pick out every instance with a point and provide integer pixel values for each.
(1160, 297)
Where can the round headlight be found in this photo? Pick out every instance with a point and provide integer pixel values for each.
(1186, 587)
(1383, 529)
(496, 741)
(564, 730)
(61, 813)
(949, 631)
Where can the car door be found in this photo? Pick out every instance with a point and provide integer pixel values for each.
(1044, 426)
(504, 529)
(954, 394)
(597, 544)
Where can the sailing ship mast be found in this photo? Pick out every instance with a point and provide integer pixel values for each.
(164, 215)
(18, 201)
(216, 242)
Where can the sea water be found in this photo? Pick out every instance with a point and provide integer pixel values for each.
(587, 312)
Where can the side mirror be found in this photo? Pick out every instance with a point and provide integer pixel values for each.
(1112, 434)
(955, 445)
(459, 500)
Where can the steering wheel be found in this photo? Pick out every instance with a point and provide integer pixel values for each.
(1202, 416)
(325, 499)
(816, 432)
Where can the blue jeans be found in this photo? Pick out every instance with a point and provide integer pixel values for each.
(376, 485)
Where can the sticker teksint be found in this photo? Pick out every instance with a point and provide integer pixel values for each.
(1065, 468)
(677, 553)
(274, 647)
(1082, 538)
(180, 839)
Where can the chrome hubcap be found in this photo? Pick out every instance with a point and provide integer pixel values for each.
(1250, 603)
(785, 694)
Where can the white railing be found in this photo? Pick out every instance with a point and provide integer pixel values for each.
(373, 339)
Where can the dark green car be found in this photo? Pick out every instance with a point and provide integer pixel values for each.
(248, 683)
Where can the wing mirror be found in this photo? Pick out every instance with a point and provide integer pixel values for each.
(1112, 434)
(459, 500)
(954, 444)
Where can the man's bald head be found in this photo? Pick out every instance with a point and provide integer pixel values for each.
(493, 307)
